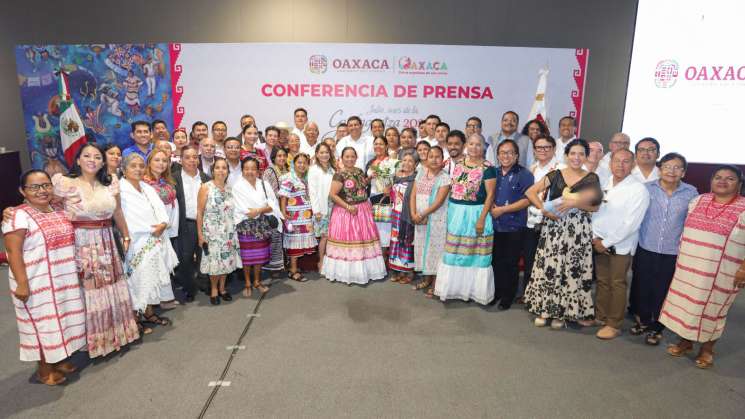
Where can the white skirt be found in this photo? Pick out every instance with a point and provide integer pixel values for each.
(150, 280)
(464, 283)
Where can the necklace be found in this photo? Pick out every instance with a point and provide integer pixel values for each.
(465, 163)
(721, 209)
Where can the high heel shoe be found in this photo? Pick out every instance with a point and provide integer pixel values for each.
(226, 296)
(215, 300)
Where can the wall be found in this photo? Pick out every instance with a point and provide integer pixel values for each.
(604, 26)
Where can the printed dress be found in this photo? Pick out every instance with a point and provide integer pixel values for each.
(561, 280)
(353, 252)
(51, 323)
(429, 239)
(271, 176)
(465, 270)
(218, 230)
(299, 237)
(110, 322)
(712, 248)
(401, 252)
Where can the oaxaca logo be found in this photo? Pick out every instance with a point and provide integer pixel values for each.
(666, 73)
(318, 64)
(360, 64)
(413, 66)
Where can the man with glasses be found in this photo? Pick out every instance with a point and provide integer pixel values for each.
(657, 253)
(647, 152)
(510, 216)
(473, 126)
(219, 134)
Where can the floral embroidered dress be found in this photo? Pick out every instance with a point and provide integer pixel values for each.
(401, 253)
(299, 238)
(110, 322)
(219, 231)
(381, 174)
(429, 239)
(465, 270)
(353, 252)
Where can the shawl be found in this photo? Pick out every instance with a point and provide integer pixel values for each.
(246, 197)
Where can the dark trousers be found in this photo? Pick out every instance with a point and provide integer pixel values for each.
(650, 282)
(189, 256)
(504, 259)
(530, 245)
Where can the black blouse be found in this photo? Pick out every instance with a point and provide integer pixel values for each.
(557, 185)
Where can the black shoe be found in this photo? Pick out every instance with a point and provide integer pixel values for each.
(226, 296)
(189, 298)
(503, 306)
(215, 301)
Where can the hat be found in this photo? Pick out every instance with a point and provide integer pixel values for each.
(282, 126)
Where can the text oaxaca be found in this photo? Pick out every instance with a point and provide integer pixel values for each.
(431, 91)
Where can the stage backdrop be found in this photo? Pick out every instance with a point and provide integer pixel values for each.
(184, 83)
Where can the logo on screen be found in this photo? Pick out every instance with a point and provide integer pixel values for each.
(318, 64)
(409, 65)
(666, 73)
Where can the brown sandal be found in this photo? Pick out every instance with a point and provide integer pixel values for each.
(422, 285)
(65, 367)
(679, 349)
(430, 293)
(405, 280)
(52, 379)
(705, 359)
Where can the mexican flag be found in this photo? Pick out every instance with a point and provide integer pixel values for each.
(538, 110)
(71, 129)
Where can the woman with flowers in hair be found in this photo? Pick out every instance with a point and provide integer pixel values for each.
(353, 253)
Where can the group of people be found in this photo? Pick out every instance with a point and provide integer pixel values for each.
(95, 252)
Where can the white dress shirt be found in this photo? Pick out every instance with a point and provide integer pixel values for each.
(234, 173)
(653, 176)
(191, 190)
(363, 146)
(620, 215)
(319, 185)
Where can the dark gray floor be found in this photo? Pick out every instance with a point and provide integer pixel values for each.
(327, 350)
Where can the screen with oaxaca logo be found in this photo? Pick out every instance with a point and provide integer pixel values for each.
(687, 79)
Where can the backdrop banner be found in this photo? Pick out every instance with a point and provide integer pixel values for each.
(114, 85)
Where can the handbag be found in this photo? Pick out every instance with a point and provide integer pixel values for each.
(270, 219)
(382, 212)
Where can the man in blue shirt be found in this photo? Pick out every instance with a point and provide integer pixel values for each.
(143, 140)
(510, 216)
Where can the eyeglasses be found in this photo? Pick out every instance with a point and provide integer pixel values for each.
(543, 147)
(38, 187)
(670, 168)
(472, 126)
(646, 150)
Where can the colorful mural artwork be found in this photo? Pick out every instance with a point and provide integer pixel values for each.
(112, 85)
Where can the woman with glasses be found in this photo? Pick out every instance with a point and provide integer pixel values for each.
(659, 239)
(44, 286)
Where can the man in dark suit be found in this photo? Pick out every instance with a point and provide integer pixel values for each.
(188, 179)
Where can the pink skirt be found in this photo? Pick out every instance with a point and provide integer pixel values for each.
(353, 253)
